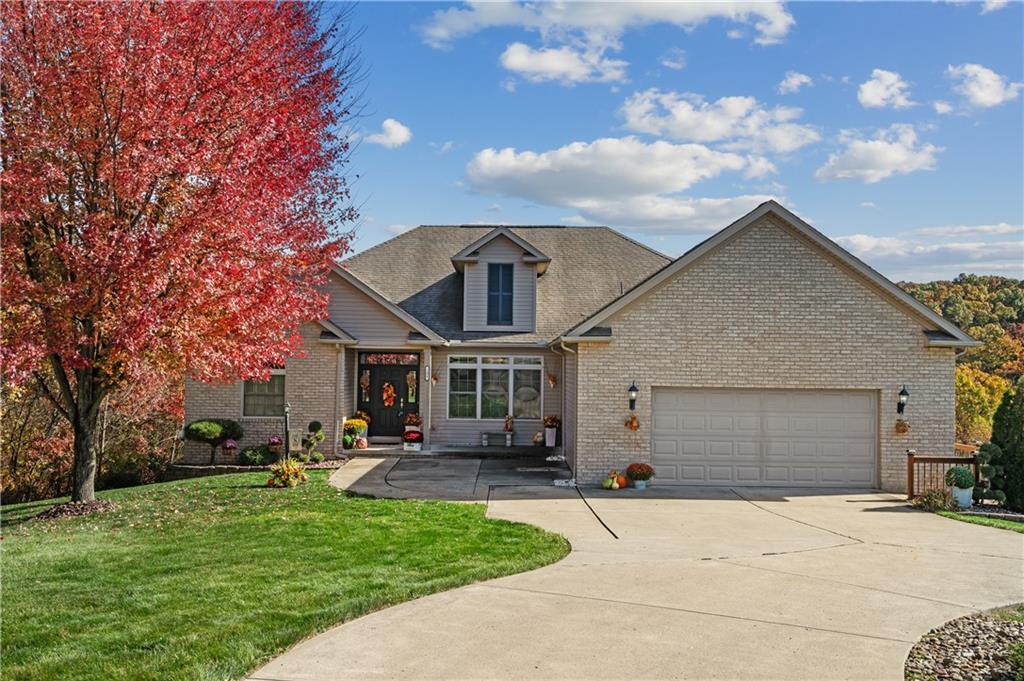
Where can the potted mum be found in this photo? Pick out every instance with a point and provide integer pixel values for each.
(551, 424)
(276, 445)
(412, 422)
(412, 441)
(230, 449)
(961, 479)
(639, 473)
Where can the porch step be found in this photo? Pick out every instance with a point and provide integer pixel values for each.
(452, 452)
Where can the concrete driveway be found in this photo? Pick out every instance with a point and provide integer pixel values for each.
(691, 583)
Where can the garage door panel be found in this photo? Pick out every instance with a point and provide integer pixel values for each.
(765, 437)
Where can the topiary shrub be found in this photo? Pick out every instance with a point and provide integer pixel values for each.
(990, 485)
(213, 432)
(1008, 436)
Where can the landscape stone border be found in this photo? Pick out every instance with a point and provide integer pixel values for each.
(972, 647)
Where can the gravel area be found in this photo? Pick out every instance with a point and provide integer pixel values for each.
(972, 647)
(993, 512)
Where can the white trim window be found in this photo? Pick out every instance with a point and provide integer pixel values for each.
(264, 398)
(493, 387)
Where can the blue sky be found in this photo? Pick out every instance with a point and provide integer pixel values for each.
(894, 128)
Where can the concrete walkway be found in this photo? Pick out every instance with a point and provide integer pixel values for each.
(691, 583)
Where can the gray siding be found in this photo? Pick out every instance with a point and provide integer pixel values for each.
(463, 432)
(524, 288)
(363, 317)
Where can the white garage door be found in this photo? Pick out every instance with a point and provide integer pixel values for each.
(807, 438)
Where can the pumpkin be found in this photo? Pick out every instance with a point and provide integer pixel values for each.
(621, 480)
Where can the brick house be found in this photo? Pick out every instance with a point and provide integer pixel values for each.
(766, 355)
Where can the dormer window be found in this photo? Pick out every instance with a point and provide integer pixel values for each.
(499, 294)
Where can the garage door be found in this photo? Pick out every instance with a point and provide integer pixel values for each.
(806, 438)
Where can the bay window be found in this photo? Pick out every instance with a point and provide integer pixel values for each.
(493, 387)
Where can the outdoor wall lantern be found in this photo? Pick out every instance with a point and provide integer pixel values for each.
(633, 392)
(902, 401)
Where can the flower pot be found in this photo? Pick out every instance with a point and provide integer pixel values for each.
(640, 484)
(550, 437)
(412, 446)
(277, 450)
(964, 497)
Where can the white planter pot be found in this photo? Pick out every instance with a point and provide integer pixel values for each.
(408, 428)
(550, 437)
(412, 446)
(963, 497)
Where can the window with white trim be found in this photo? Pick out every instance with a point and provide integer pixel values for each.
(264, 398)
(493, 387)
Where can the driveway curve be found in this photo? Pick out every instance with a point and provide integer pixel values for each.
(693, 583)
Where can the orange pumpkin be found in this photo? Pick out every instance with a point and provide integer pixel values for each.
(622, 481)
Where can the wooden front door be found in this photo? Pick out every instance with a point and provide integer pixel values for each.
(388, 390)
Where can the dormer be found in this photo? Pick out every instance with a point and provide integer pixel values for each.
(499, 284)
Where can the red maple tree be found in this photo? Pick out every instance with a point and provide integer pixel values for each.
(172, 196)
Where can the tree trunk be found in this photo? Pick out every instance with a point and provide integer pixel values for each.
(83, 486)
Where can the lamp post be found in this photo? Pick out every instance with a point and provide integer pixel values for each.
(287, 426)
(633, 392)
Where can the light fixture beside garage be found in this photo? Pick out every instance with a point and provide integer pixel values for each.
(633, 392)
(901, 403)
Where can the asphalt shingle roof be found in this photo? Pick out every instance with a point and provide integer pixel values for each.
(590, 266)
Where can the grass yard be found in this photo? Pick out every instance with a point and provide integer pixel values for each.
(1010, 525)
(209, 578)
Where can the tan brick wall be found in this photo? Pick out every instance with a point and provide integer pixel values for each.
(309, 388)
(768, 309)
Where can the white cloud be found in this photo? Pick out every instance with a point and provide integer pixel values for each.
(392, 135)
(622, 181)
(884, 89)
(993, 6)
(601, 22)
(494, 208)
(674, 59)
(578, 34)
(942, 107)
(1001, 228)
(982, 87)
(565, 65)
(868, 204)
(903, 258)
(892, 151)
(397, 228)
(758, 167)
(742, 122)
(793, 81)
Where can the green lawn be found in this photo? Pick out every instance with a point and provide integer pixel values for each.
(1011, 525)
(209, 578)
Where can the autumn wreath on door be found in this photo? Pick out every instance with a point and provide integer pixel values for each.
(388, 393)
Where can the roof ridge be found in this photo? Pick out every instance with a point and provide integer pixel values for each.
(378, 245)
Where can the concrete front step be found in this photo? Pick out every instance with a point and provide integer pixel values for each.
(442, 452)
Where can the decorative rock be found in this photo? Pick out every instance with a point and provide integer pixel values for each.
(971, 647)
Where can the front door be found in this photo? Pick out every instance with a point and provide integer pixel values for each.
(388, 390)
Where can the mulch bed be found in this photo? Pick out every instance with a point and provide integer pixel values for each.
(71, 509)
(972, 647)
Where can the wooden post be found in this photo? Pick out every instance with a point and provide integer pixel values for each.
(910, 474)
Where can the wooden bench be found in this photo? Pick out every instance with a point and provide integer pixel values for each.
(498, 437)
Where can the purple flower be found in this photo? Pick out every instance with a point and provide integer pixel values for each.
(275, 440)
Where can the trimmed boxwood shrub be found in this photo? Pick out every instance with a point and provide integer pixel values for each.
(213, 432)
(960, 477)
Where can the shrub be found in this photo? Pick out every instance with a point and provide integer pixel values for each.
(288, 473)
(960, 477)
(315, 427)
(412, 436)
(990, 486)
(348, 441)
(1008, 435)
(316, 457)
(312, 438)
(213, 432)
(639, 471)
(255, 455)
(936, 500)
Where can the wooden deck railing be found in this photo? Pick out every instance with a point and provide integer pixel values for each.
(929, 472)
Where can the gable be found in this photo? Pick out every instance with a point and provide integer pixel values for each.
(366, 319)
(501, 238)
(781, 232)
